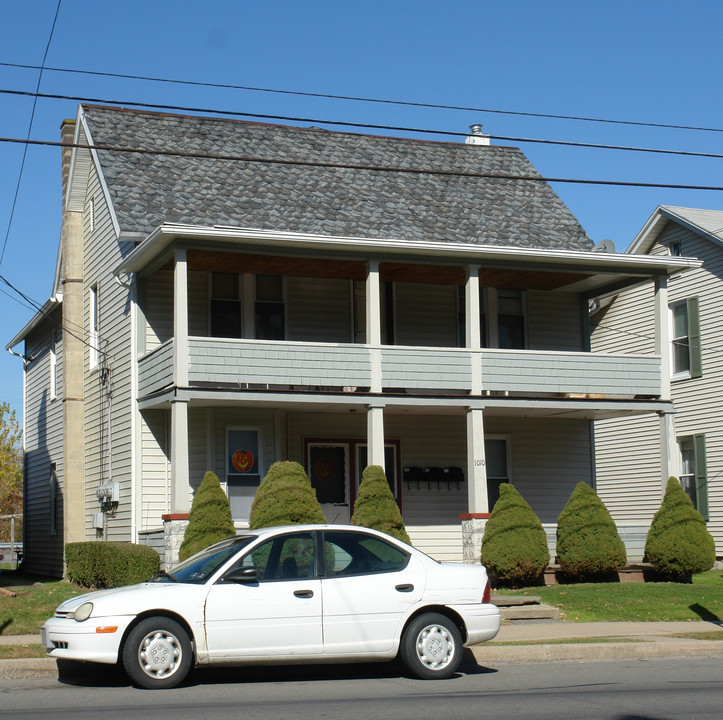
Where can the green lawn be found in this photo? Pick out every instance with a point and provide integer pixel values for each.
(24, 614)
(597, 602)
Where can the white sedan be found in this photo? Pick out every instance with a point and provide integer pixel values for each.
(302, 593)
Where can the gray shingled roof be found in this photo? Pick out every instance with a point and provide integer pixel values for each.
(147, 190)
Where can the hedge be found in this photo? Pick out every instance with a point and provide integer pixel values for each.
(100, 564)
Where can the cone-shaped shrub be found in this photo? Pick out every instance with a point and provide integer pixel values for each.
(679, 543)
(209, 520)
(588, 544)
(375, 506)
(514, 546)
(285, 497)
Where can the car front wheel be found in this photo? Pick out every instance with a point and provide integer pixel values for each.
(157, 653)
(431, 647)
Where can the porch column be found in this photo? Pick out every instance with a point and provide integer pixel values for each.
(476, 466)
(180, 494)
(180, 319)
(375, 435)
(472, 326)
(662, 334)
(374, 324)
(180, 477)
(669, 457)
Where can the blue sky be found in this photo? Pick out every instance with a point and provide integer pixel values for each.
(655, 62)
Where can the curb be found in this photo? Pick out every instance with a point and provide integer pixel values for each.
(483, 654)
(636, 650)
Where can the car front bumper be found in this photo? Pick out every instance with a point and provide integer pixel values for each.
(93, 640)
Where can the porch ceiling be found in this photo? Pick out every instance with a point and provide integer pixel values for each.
(428, 274)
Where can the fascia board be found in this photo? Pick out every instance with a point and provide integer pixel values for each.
(167, 234)
(649, 233)
(76, 197)
(40, 316)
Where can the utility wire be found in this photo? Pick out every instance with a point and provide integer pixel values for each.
(369, 168)
(365, 126)
(354, 98)
(30, 127)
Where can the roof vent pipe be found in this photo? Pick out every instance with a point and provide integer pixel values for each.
(477, 137)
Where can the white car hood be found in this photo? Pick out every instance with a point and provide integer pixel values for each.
(130, 599)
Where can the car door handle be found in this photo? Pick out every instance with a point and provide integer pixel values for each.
(304, 593)
(407, 587)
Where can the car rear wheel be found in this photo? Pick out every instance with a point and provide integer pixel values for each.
(157, 653)
(431, 647)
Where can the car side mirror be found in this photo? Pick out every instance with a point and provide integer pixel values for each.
(242, 575)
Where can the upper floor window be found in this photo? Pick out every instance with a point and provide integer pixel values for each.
(225, 305)
(54, 341)
(270, 316)
(511, 319)
(685, 339)
(693, 474)
(94, 328)
(674, 248)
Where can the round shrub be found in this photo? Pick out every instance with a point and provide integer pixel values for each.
(285, 497)
(375, 506)
(588, 544)
(209, 520)
(514, 545)
(678, 542)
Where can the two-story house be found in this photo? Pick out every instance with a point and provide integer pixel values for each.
(628, 462)
(229, 294)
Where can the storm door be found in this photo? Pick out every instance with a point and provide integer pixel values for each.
(329, 472)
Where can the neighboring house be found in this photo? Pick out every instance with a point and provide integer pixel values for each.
(255, 293)
(630, 465)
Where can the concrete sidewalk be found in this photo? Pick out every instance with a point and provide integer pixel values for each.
(632, 640)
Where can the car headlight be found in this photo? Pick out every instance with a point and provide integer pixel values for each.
(83, 612)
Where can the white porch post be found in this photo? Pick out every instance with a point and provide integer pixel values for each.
(475, 519)
(472, 326)
(180, 494)
(374, 324)
(476, 464)
(375, 435)
(668, 445)
(662, 334)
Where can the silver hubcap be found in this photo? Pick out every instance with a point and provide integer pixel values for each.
(435, 647)
(159, 654)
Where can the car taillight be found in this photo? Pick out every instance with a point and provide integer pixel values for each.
(487, 594)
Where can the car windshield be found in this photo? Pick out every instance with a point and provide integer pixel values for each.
(199, 567)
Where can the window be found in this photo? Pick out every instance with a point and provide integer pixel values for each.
(243, 469)
(54, 339)
(694, 474)
(270, 319)
(288, 557)
(498, 467)
(91, 214)
(53, 498)
(225, 305)
(94, 330)
(674, 249)
(685, 339)
(511, 319)
(350, 553)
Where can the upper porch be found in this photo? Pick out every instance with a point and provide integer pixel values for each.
(241, 309)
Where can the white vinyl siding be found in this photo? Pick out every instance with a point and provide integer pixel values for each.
(103, 252)
(43, 443)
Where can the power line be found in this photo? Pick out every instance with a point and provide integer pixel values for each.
(365, 126)
(369, 168)
(30, 127)
(354, 98)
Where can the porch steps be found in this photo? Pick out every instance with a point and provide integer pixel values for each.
(524, 607)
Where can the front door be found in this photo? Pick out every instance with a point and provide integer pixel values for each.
(329, 472)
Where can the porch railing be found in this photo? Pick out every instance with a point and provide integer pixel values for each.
(259, 363)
